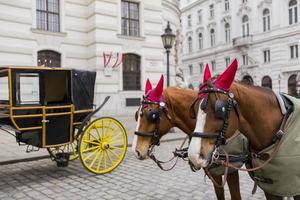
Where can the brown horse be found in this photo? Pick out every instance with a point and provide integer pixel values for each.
(229, 106)
(172, 111)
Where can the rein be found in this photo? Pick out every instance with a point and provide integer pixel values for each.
(225, 159)
(154, 116)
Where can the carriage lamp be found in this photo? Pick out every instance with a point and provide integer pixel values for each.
(168, 39)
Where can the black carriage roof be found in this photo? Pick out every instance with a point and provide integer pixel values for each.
(34, 68)
(82, 87)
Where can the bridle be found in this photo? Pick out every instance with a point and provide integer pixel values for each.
(153, 116)
(222, 111)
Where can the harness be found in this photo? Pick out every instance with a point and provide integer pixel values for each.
(154, 117)
(222, 111)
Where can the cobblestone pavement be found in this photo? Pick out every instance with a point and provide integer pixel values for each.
(133, 179)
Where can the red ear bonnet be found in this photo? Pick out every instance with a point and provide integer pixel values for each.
(148, 87)
(156, 94)
(225, 80)
(207, 74)
(206, 77)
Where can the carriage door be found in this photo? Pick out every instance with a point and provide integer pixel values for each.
(58, 110)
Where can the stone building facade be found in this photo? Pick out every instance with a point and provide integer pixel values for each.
(263, 35)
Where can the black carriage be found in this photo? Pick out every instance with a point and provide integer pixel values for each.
(53, 108)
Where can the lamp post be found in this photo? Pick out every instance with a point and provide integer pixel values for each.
(168, 39)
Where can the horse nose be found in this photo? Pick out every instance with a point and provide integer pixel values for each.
(138, 155)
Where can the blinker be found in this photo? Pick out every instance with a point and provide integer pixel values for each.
(220, 109)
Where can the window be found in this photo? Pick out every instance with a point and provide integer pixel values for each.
(245, 59)
(226, 5)
(227, 33)
(201, 67)
(247, 80)
(266, 20)
(47, 15)
(199, 16)
(245, 25)
(267, 57)
(292, 90)
(47, 58)
(266, 82)
(190, 44)
(191, 70)
(131, 72)
(227, 61)
(293, 12)
(130, 18)
(211, 10)
(244, 1)
(212, 37)
(28, 88)
(4, 94)
(294, 51)
(213, 65)
(189, 20)
(200, 41)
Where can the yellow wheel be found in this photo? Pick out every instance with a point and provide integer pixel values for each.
(71, 148)
(103, 145)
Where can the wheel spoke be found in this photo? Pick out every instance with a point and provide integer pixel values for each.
(100, 160)
(91, 142)
(90, 149)
(113, 131)
(116, 141)
(105, 163)
(94, 160)
(93, 136)
(98, 132)
(116, 136)
(117, 148)
(118, 156)
(90, 155)
(107, 127)
(110, 159)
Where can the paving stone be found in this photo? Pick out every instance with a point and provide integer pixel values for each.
(134, 179)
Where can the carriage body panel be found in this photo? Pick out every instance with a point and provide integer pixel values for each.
(36, 102)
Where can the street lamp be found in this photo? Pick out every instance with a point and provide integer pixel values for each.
(168, 39)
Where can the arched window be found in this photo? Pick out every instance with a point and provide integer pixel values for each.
(48, 58)
(266, 20)
(212, 37)
(292, 90)
(200, 36)
(247, 80)
(190, 44)
(227, 7)
(227, 33)
(266, 82)
(293, 12)
(132, 72)
(245, 25)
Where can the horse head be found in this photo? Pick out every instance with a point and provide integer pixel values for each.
(152, 119)
(216, 119)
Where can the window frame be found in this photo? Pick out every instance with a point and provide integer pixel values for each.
(266, 20)
(200, 40)
(245, 26)
(293, 12)
(129, 19)
(138, 74)
(267, 55)
(294, 51)
(47, 13)
(227, 5)
(227, 33)
(42, 54)
(211, 10)
(212, 37)
(190, 44)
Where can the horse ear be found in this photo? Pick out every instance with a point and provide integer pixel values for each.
(225, 80)
(207, 74)
(148, 86)
(157, 92)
